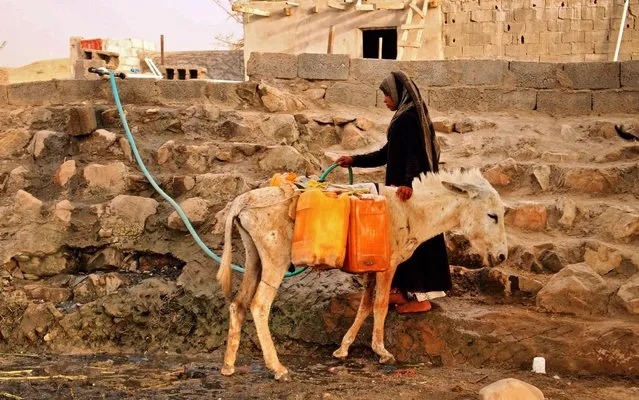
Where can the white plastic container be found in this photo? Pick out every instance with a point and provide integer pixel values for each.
(539, 365)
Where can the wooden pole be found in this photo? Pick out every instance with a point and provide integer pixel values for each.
(161, 49)
(379, 49)
(331, 36)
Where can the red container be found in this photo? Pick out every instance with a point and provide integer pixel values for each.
(368, 248)
(92, 44)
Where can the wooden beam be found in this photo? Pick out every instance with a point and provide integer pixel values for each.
(417, 10)
(409, 44)
(390, 5)
(337, 5)
(413, 26)
(250, 10)
(364, 7)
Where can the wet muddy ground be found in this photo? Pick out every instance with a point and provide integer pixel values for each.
(103, 376)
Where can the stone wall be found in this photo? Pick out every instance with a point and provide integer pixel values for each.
(539, 30)
(464, 85)
(224, 65)
(477, 85)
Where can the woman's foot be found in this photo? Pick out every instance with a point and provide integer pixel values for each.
(413, 306)
(397, 297)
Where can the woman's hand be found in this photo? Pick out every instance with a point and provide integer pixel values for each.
(404, 193)
(345, 161)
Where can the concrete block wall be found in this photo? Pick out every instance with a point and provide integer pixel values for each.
(539, 30)
(473, 85)
(130, 51)
(224, 65)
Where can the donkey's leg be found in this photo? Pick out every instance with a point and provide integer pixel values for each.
(380, 309)
(364, 310)
(275, 256)
(237, 309)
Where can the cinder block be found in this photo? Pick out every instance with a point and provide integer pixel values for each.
(595, 57)
(480, 72)
(630, 73)
(573, 58)
(173, 91)
(484, 15)
(222, 92)
(32, 93)
(616, 101)
(559, 25)
(550, 37)
(573, 36)
(73, 91)
(458, 17)
(537, 75)
(557, 102)
(323, 66)
(551, 58)
(570, 13)
(272, 65)
(601, 24)
(424, 73)
(137, 43)
(456, 98)
(582, 48)
(479, 39)
(524, 14)
(593, 75)
(593, 12)
(536, 49)
(596, 37)
(355, 94)
(473, 51)
(559, 48)
(514, 50)
(505, 99)
(139, 91)
(582, 25)
(451, 53)
(471, 28)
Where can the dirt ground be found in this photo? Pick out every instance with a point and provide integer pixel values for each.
(313, 377)
(41, 71)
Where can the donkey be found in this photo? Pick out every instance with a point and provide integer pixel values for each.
(440, 202)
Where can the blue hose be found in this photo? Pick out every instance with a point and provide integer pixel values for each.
(175, 205)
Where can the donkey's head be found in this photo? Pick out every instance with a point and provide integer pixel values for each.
(481, 213)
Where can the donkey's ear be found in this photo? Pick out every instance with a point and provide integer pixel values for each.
(463, 188)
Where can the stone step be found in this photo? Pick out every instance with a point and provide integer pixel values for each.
(529, 178)
(614, 219)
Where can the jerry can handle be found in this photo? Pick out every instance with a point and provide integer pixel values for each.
(331, 168)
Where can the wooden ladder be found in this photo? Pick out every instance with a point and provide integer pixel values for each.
(403, 45)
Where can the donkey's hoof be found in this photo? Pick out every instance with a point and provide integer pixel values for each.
(283, 376)
(387, 359)
(228, 371)
(341, 354)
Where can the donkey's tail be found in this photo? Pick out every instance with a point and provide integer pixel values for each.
(224, 274)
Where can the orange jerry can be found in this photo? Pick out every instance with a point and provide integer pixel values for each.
(321, 229)
(368, 248)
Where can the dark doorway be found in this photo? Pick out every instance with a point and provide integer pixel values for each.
(370, 40)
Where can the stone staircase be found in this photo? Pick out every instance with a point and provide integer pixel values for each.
(95, 258)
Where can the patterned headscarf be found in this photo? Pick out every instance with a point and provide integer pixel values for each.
(405, 95)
